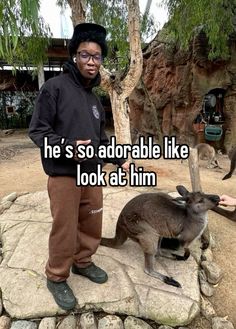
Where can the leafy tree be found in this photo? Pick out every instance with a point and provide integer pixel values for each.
(122, 20)
(23, 34)
(124, 63)
(216, 18)
(112, 14)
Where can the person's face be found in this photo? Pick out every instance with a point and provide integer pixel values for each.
(89, 59)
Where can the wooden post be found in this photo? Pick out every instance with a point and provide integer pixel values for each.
(196, 186)
(194, 170)
(41, 77)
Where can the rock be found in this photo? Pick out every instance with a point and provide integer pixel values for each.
(213, 272)
(22, 324)
(207, 309)
(0, 305)
(8, 131)
(48, 323)
(68, 322)
(25, 228)
(19, 194)
(212, 241)
(110, 322)
(207, 255)
(165, 327)
(205, 287)
(1, 209)
(183, 81)
(135, 323)
(10, 197)
(221, 323)
(88, 321)
(6, 205)
(196, 251)
(5, 322)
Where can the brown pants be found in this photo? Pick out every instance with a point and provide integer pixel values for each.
(76, 228)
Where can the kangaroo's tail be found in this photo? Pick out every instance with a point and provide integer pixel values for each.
(232, 167)
(227, 176)
(117, 241)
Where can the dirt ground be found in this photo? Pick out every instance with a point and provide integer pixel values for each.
(21, 171)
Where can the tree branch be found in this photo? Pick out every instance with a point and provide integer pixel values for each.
(106, 82)
(136, 57)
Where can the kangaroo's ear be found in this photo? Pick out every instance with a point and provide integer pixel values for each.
(182, 190)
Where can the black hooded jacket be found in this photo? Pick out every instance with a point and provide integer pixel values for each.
(67, 111)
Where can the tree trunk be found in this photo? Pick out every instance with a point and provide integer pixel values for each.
(41, 77)
(120, 110)
(196, 186)
(78, 11)
(119, 91)
(194, 170)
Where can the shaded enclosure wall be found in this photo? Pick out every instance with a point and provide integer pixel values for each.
(173, 87)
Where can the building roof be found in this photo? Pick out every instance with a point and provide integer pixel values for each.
(57, 55)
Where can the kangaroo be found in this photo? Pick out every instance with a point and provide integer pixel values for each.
(207, 151)
(149, 217)
(232, 157)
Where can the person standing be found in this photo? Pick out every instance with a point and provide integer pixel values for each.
(67, 112)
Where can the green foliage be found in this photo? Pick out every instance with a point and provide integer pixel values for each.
(30, 50)
(148, 28)
(214, 17)
(23, 34)
(24, 105)
(113, 14)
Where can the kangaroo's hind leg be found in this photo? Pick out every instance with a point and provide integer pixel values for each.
(215, 162)
(149, 269)
(212, 162)
(172, 248)
(149, 244)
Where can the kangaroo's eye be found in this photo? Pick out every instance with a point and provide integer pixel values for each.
(201, 201)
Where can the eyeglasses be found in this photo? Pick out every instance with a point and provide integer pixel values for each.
(84, 57)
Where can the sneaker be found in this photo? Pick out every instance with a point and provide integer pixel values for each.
(92, 272)
(62, 294)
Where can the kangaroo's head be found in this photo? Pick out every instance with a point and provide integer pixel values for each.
(198, 202)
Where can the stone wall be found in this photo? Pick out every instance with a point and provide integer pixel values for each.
(173, 86)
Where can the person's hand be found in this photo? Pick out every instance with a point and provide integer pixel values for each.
(125, 166)
(79, 142)
(226, 200)
(84, 142)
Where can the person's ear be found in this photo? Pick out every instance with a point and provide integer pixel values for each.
(74, 59)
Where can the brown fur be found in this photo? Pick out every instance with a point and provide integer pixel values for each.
(232, 157)
(206, 151)
(149, 217)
